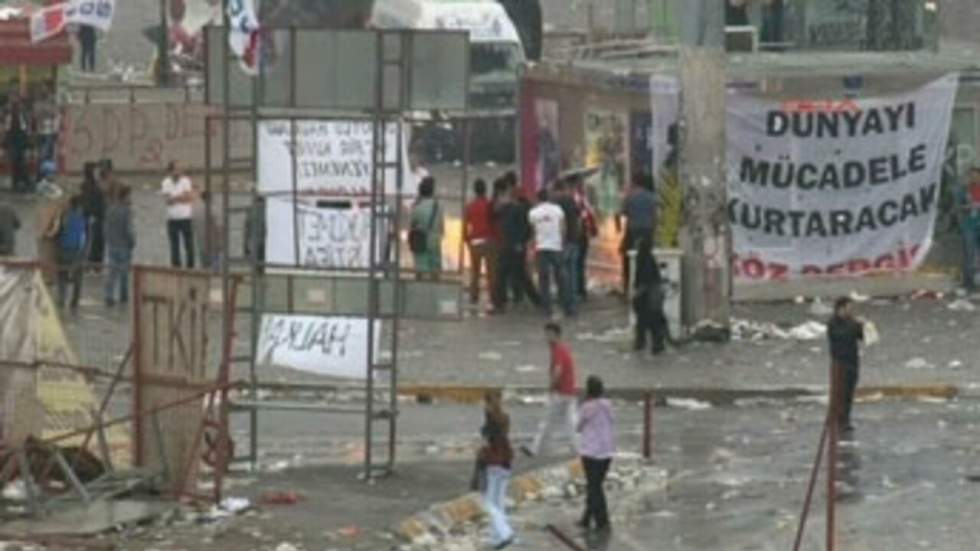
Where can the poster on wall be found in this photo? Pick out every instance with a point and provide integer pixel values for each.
(541, 148)
(605, 149)
(330, 346)
(641, 142)
(835, 186)
(331, 157)
(331, 234)
(665, 104)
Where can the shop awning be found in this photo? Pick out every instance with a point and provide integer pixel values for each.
(16, 47)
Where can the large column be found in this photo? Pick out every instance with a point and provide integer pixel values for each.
(705, 236)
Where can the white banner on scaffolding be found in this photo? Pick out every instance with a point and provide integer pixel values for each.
(327, 157)
(324, 234)
(330, 346)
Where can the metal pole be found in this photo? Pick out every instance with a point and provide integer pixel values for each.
(832, 430)
(163, 47)
(397, 295)
(377, 138)
(812, 485)
(137, 367)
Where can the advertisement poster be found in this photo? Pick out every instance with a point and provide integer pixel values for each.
(605, 149)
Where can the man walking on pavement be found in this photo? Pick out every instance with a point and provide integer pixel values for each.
(479, 238)
(845, 332)
(548, 222)
(179, 195)
(562, 411)
(639, 208)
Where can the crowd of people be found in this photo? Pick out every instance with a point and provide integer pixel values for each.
(506, 232)
(589, 428)
(29, 130)
(93, 231)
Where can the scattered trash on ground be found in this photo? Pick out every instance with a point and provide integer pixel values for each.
(754, 331)
(819, 308)
(491, 356)
(688, 403)
(614, 334)
(527, 368)
(277, 497)
(961, 305)
(918, 363)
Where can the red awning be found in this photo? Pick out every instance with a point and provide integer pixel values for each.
(16, 47)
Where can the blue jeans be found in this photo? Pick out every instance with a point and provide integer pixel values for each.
(571, 254)
(118, 276)
(552, 264)
(494, 499)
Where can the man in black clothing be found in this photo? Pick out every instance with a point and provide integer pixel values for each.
(648, 301)
(87, 37)
(515, 231)
(845, 332)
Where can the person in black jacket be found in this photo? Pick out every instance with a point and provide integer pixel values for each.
(94, 207)
(648, 300)
(510, 211)
(845, 332)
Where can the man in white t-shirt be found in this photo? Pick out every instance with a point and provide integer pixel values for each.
(548, 222)
(178, 192)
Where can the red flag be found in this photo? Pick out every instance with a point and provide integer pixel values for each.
(47, 22)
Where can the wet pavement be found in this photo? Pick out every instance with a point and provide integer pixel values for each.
(924, 341)
(737, 478)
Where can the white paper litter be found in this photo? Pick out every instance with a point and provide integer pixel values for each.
(688, 403)
(818, 308)
(918, 363)
(754, 331)
(491, 356)
(961, 305)
(871, 335)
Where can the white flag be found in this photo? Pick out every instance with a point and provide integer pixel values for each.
(97, 13)
(243, 33)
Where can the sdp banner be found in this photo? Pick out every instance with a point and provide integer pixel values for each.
(835, 186)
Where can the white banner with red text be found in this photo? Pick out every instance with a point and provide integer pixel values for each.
(835, 186)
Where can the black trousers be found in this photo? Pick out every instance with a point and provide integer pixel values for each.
(650, 319)
(596, 509)
(848, 381)
(512, 275)
(96, 251)
(88, 56)
(20, 177)
(177, 230)
(582, 285)
(630, 240)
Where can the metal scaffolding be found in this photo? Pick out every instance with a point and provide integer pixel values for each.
(278, 289)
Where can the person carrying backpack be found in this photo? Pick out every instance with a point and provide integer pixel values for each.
(72, 241)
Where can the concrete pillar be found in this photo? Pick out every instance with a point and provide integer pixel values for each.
(705, 236)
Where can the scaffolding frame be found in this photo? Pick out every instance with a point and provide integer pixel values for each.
(384, 268)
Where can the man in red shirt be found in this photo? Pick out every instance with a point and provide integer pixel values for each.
(479, 237)
(562, 399)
